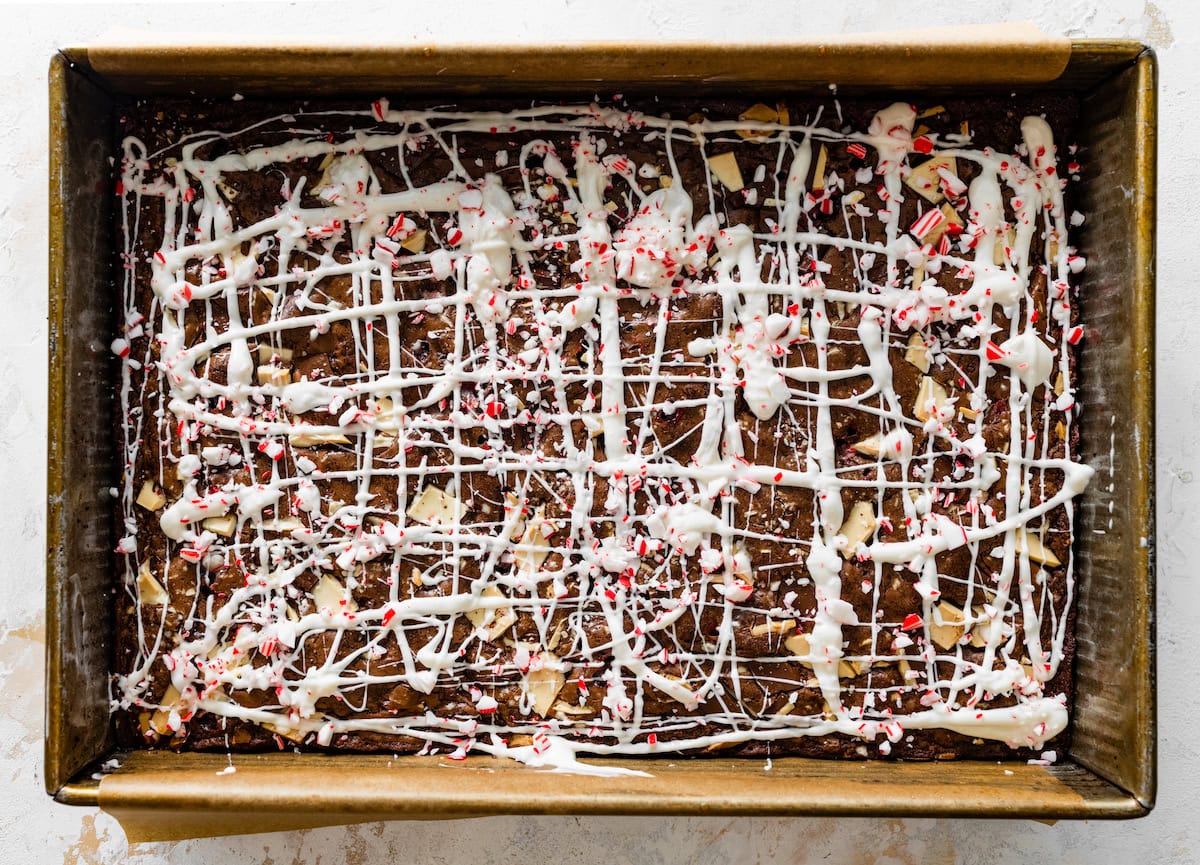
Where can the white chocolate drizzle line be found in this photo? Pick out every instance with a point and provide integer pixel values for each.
(667, 543)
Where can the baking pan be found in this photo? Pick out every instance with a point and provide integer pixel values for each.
(1109, 771)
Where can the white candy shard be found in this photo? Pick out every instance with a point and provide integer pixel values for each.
(434, 507)
(870, 446)
(535, 543)
(724, 167)
(492, 619)
(918, 352)
(777, 627)
(161, 721)
(947, 626)
(268, 354)
(150, 498)
(223, 525)
(798, 645)
(150, 591)
(818, 182)
(543, 684)
(926, 179)
(312, 439)
(1032, 545)
(415, 242)
(330, 596)
(858, 528)
(274, 375)
(931, 397)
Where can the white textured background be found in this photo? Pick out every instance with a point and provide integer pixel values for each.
(34, 830)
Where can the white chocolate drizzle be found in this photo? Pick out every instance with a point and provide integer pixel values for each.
(640, 541)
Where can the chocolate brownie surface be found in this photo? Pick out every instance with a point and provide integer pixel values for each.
(628, 428)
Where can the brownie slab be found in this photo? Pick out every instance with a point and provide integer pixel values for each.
(626, 428)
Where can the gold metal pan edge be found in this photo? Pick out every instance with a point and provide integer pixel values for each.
(1147, 790)
(53, 773)
(296, 790)
(299, 790)
(1013, 58)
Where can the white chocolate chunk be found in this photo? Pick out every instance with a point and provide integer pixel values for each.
(282, 525)
(918, 352)
(819, 172)
(188, 467)
(387, 417)
(724, 167)
(160, 720)
(513, 503)
(556, 637)
(929, 395)
(780, 627)
(150, 498)
(871, 446)
(415, 242)
(433, 506)
(925, 180)
(858, 527)
(761, 113)
(947, 632)
(330, 595)
(268, 353)
(1038, 552)
(797, 644)
(311, 439)
(292, 734)
(979, 631)
(535, 544)
(493, 620)
(561, 707)
(150, 591)
(274, 375)
(543, 686)
(223, 526)
(850, 669)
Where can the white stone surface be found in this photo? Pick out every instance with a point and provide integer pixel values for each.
(33, 830)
